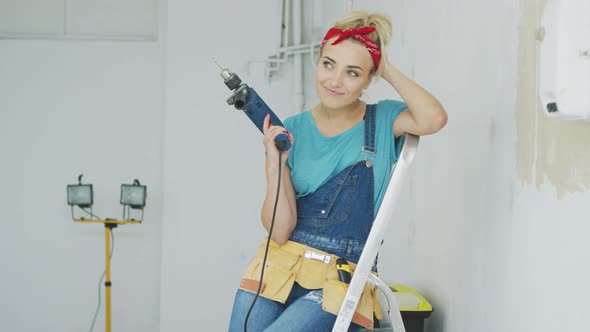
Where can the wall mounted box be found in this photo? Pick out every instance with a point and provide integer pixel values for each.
(565, 59)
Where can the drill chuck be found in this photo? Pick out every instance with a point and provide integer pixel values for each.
(231, 80)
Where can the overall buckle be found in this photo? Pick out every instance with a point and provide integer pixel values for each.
(368, 159)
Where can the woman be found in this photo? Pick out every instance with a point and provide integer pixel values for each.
(332, 182)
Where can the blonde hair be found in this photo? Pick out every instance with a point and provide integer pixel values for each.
(381, 35)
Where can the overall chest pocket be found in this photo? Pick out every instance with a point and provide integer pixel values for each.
(329, 205)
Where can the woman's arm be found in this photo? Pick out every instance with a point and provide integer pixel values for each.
(425, 114)
(286, 212)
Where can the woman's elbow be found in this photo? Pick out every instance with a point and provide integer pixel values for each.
(440, 120)
(280, 239)
(282, 234)
(437, 121)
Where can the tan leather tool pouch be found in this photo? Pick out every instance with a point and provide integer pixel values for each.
(334, 293)
(279, 273)
(312, 273)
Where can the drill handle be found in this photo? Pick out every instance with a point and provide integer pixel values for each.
(256, 109)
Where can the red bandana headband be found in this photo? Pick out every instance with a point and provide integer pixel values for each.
(357, 34)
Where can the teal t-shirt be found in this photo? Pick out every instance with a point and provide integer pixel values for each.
(315, 158)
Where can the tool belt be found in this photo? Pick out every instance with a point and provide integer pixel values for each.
(312, 269)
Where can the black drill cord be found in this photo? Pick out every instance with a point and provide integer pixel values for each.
(272, 223)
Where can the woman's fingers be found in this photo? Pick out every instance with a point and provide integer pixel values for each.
(266, 123)
(271, 132)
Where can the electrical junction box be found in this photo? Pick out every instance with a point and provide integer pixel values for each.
(565, 59)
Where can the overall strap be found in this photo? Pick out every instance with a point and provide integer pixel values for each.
(369, 147)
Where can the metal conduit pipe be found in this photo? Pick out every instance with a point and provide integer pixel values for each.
(298, 96)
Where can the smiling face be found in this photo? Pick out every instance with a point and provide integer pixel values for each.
(343, 72)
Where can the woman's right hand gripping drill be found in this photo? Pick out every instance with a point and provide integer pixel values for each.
(286, 210)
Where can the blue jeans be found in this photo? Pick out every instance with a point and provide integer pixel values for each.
(302, 312)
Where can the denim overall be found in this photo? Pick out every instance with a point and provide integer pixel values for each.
(336, 219)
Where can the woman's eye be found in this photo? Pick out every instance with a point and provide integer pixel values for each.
(353, 73)
(327, 65)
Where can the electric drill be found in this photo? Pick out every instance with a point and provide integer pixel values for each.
(246, 99)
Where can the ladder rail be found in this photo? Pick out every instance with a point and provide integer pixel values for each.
(374, 240)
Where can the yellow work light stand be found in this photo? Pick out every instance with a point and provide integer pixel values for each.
(109, 224)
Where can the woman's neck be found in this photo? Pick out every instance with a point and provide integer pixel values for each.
(334, 121)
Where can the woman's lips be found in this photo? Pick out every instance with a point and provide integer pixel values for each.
(333, 93)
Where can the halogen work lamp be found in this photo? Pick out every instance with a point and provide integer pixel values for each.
(80, 194)
(133, 196)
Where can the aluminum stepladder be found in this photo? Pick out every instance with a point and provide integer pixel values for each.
(363, 274)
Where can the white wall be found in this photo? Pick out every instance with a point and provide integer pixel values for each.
(492, 227)
(487, 231)
(214, 165)
(465, 54)
(491, 248)
(66, 108)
